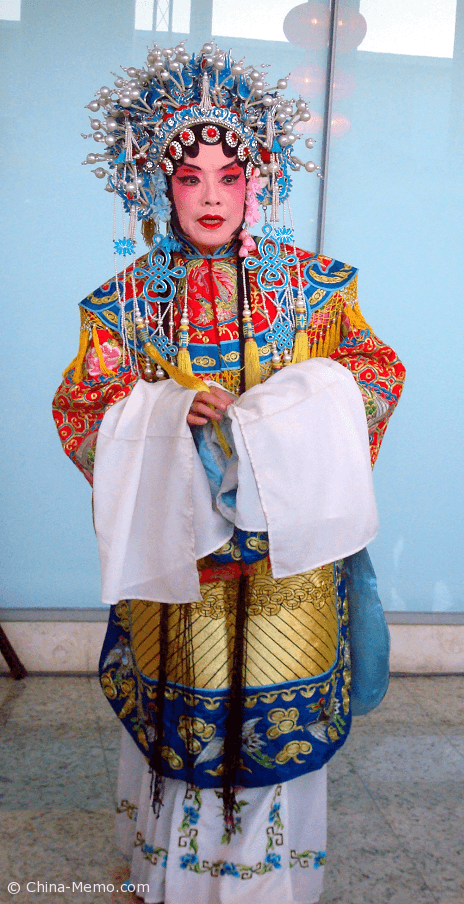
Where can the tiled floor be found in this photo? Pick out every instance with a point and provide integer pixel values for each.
(396, 812)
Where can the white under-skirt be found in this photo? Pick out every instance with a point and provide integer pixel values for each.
(275, 856)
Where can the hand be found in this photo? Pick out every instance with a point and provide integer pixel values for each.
(208, 406)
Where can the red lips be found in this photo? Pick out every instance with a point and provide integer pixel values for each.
(210, 222)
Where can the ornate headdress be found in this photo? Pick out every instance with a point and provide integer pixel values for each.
(149, 118)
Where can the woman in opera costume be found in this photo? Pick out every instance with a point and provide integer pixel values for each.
(227, 402)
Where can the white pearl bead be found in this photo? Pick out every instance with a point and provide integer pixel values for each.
(119, 82)
(94, 106)
(131, 72)
(237, 69)
(110, 140)
(309, 143)
(125, 101)
(111, 124)
(105, 91)
(310, 166)
(268, 100)
(305, 116)
(91, 158)
(134, 93)
(207, 48)
(282, 84)
(284, 141)
(98, 136)
(95, 123)
(99, 172)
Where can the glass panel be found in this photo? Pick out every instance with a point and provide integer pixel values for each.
(395, 210)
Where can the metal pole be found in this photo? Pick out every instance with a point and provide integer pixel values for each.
(327, 124)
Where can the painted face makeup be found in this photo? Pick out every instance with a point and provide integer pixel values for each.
(209, 196)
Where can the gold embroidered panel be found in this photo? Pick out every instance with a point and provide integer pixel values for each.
(292, 630)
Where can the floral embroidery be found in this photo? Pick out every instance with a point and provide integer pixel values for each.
(131, 810)
(111, 356)
(156, 855)
(191, 815)
(188, 835)
(306, 858)
(234, 827)
(229, 869)
(273, 860)
(188, 860)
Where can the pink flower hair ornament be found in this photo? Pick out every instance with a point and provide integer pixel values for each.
(252, 214)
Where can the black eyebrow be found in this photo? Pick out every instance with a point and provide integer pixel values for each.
(227, 166)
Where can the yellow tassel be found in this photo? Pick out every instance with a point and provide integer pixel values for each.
(300, 348)
(252, 365)
(148, 231)
(356, 318)
(183, 361)
(97, 346)
(78, 361)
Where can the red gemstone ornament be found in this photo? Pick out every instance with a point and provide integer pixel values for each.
(210, 134)
(187, 137)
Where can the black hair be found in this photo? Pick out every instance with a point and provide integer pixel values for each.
(193, 150)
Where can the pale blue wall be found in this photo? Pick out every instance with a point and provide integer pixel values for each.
(394, 210)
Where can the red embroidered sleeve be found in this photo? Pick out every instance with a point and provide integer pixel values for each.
(378, 372)
(78, 408)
